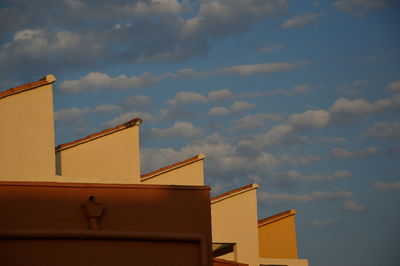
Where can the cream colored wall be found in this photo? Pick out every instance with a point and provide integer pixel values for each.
(27, 136)
(234, 220)
(278, 239)
(283, 262)
(113, 158)
(190, 174)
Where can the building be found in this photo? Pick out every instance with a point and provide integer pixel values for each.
(89, 194)
(78, 205)
(237, 234)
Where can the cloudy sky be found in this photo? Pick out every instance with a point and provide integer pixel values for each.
(301, 97)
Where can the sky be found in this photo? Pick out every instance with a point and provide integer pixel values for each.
(301, 97)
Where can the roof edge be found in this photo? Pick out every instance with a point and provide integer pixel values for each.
(234, 192)
(105, 132)
(172, 167)
(229, 262)
(276, 217)
(48, 79)
(98, 185)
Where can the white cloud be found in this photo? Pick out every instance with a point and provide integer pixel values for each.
(268, 49)
(300, 21)
(223, 158)
(102, 81)
(342, 153)
(174, 113)
(298, 89)
(184, 97)
(151, 7)
(289, 160)
(394, 86)
(218, 17)
(344, 110)
(341, 174)
(286, 179)
(240, 106)
(310, 119)
(385, 130)
(39, 42)
(330, 139)
(106, 108)
(341, 111)
(70, 115)
(312, 196)
(255, 121)
(359, 7)
(353, 206)
(220, 95)
(236, 107)
(138, 102)
(119, 32)
(387, 186)
(266, 68)
(217, 110)
(277, 135)
(358, 107)
(73, 114)
(179, 129)
(323, 223)
(351, 87)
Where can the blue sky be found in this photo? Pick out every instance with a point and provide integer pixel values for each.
(302, 97)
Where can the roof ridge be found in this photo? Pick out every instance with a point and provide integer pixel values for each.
(233, 192)
(172, 166)
(48, 79)
(276, 217)
(130, 123)
(228, 262)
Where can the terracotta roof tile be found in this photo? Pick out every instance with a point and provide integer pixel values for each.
(172, 166)
(220, 262)
(276, 217)
(48, 79)
(130, 123)
(234, 192)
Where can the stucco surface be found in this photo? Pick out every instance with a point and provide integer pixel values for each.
(27, 136)
(190, 174)
(234, 220)
(278, 239)
(113, 158)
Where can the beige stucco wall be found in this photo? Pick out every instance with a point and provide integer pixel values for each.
(234, 220)
(27, 136)
(283, 262)
(113, 158)
(190, 174)
(278, 239)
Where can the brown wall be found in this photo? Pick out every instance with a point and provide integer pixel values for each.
(46, 224)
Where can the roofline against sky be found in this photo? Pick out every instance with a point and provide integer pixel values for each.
(172, 167)
(105, 132)
(276, 217)
(233, 193)
(48, 79)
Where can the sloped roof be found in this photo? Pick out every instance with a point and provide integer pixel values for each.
(130, 123)
(221, 262)
(276, 217)
(173, 166)
(234, 192)
(48, 79)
